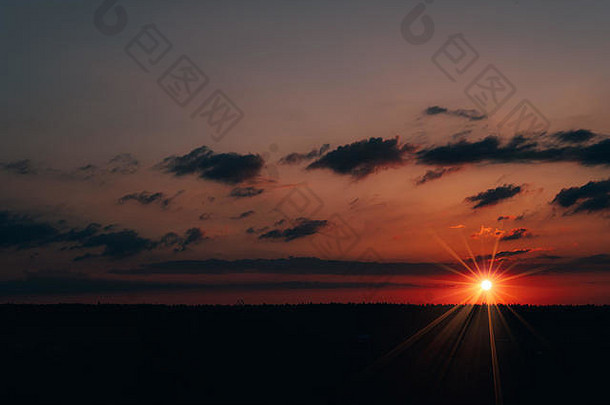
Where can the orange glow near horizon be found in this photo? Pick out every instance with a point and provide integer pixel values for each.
(484, 279)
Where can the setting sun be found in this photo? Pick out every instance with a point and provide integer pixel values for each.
(486, 285)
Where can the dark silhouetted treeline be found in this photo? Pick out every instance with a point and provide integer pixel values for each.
(299, 354)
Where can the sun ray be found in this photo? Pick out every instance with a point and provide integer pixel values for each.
(499, 269)
(502, 293)
(493, 255)
(445, 267)
(468, 283)
(455, 255)
(526, 273)
(457, 293)
(509, 268)
(504, 323)
(460, 338)
(472, 256)
(528, 326)
(415, 337)
(485, 288)
(494, 359)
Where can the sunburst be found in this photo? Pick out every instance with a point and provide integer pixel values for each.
(483, 280)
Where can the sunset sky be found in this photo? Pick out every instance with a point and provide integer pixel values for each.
(350, 136)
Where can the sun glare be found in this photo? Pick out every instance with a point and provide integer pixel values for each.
(486, 285)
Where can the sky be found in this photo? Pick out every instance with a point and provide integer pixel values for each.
(222, 152)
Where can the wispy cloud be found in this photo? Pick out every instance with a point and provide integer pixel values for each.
(493, 196)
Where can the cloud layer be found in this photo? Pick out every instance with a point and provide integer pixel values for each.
(435, 174)
(360, 159)
(23, 232)
(228, 168)
(471, 115)
(296, 158)
(302, 227)
(593, 196)
(519, 149)
(517, 233)
(493, 196)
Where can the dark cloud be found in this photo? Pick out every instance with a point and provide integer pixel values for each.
(117, 245)
(509, 253)
(245, 214)
(504, 254)
(594, 263)
(86, 172)
(253, 230)
(24, 232)
(125, 243)
(302, 228)
(593, 196)
(519, 149)
(76, 234)
(517, 233)
(22, 167)
(143, 197)
(465, 151)
(493, 196)
(180, 243)
(359, 159)
(510, 217)
(545, 256)
(575, 136)
(435, 174)
(601, 262)
(435, 110)
(243, 192)
(192, 236)
(296, 158)
(122, 164)
(67, 283)
(292, 265)
(312, 265)
(146, 198)
(50, 283)
(229, 168)
(461, 134)
(472, 115)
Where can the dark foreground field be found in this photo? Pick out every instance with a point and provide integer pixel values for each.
(106, 354)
